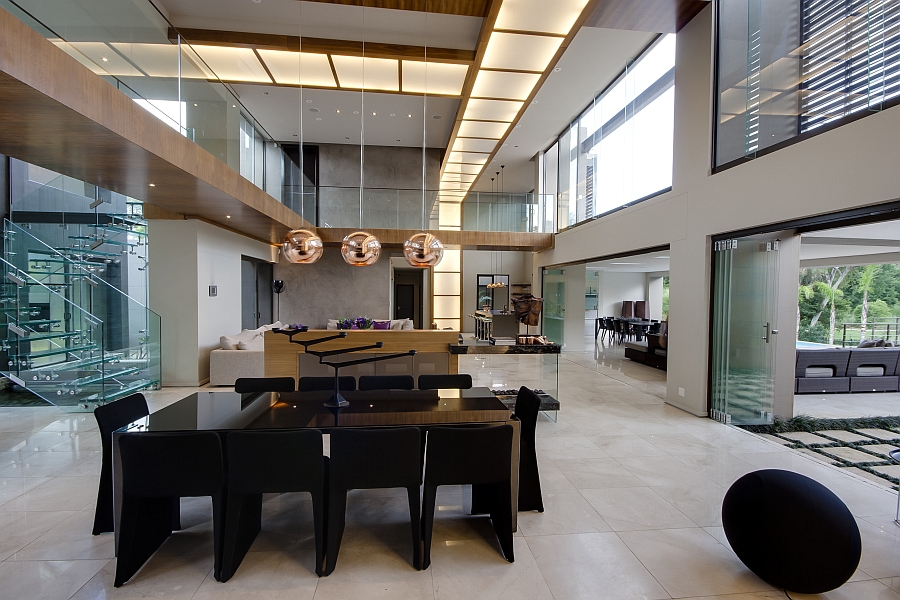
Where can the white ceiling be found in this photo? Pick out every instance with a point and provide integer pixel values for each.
(853, 244)
(324, 20)
(654, 262)
(593, 59)
(278, 110)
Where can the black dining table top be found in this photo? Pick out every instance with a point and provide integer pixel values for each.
(297, 410)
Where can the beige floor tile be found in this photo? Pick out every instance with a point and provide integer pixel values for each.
(565, 511)
(265, 576)
(596, 473)
(680, 443)
(364, 572)
(593, 566)
(59, 493)
(862, 498)
(663, 470)
(690, 562)
(701, 504)
(577, 446)
(17, 530)
(805, 438)
(790, 461)
(880, 434)
(880, 550)
(468, 570)
(69, 540)
(45, 580)
(849, 454)
(551, 477)
(720, 468)
(859, 590)
(630, 509)
(844, 436)
(170, 577)
(620, 446)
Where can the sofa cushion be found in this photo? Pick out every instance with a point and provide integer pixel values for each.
(870, 343)
(819, 372)
(407, 324)
(258, 343)
(397, 323)
(870, 371)
(381, 324)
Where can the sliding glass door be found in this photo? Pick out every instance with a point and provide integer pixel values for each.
(554, 313)
(744, 329)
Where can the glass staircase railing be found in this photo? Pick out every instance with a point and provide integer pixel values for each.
(70, 336)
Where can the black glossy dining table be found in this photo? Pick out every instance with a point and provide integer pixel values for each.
(229, 411)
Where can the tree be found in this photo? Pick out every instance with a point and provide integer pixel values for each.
(866, 282)
(806, 293)
(829, 288)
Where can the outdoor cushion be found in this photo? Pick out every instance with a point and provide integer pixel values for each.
(869, 371)
(819, 372)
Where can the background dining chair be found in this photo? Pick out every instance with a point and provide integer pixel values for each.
(528, 404)
(386, 382)
(261, 462)
(247, 385)
(454, 381)
(470, 455)
(367, 459)
(110, 417)
(346, 383)
(157, 469)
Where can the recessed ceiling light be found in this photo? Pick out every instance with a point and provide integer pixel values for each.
(195, 104)
(398, 140)
(313, 110)
(534, 101)
(295, 135)
(410, 116)
(660, 257)
(309, 101)
(517, 126)
(265, 93)
(394, 115)
(227, 216)
(152, 185)
(318, 118)
(346, 138)
(373, 114)
(105, 59)
(355, 112)
(437, 117)
(557, 69)
(234, 106)
(339, 110)
(515, 146)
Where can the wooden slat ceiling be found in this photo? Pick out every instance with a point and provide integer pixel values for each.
(290, 43)
(467, 8)
(57, 114)
(467, 240)
(656, 16)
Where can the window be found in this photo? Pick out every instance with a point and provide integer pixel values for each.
(789, 68)
(620, 149)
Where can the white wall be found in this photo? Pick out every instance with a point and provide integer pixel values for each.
(573, 326)
(654, 296)
(616, 287)
(186, 257)
(853, 165)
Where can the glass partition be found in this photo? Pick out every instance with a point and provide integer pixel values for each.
(554, 313)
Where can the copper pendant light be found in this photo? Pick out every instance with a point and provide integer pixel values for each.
(361, 249)
(302, 247)
(423, 250)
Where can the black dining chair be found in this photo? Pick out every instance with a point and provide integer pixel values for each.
(248, 385)
(386, 382)
(457, 381)
(110, 417)
(367, 459)
(346, 383)
(470, 455)
(261, 462)
(528, 405)
(157, 470)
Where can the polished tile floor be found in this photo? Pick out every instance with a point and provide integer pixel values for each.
(632, 490)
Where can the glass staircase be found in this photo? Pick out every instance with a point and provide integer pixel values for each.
(67, 333)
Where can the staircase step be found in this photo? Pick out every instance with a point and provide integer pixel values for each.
(102, 377)
(55, 352)
(45, 336)
(40, 322)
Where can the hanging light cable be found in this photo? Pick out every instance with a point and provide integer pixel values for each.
(424, 250)
(361, 248)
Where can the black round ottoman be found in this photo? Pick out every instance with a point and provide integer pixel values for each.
(791, 531)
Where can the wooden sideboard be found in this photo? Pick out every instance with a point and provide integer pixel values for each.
(284, 359)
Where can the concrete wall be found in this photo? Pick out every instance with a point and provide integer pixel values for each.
(186, 257)
(853, 165)
(331, 289)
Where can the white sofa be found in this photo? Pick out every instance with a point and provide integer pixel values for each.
(241, 355)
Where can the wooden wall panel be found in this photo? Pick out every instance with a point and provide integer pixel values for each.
(57, 114)
(467, 240)
(468, 8)
(657, 16)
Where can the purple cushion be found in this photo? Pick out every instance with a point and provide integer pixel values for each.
(381, 324)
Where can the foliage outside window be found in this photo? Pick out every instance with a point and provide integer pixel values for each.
(841, 305)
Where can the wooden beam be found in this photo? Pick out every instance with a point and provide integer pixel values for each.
(467, 8)
(290, 43)
(466, 240)
(655, 16)
(59, 115)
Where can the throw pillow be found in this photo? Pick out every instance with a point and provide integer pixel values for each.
(228, 342)
(381, 324)
(397, 323)
(408, 324)
(867, 344)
